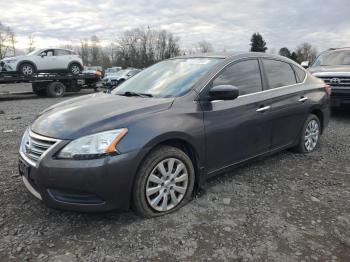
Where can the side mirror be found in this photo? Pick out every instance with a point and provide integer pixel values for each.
(305, 64)
(223, 92)
(43, 55)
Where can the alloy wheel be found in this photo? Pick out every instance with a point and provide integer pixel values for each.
(75, 69)
(27, 70)
(311, 135)
(167, 184)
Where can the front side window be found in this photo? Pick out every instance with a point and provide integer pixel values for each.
(279, 73)
(245, 75)
(170, 78)
(47, 53)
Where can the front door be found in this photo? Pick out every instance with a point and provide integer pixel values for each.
(46, 60)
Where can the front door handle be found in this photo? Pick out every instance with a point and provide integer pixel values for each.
(303, 99)
(263, 109)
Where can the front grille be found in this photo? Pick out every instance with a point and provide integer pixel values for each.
(336, 81)
(35, 146)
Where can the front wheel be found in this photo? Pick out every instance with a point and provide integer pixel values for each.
(164, 182)
(310, 135)
(27, 69)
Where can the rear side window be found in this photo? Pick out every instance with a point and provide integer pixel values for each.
(279, 73)
(300, 73)
(245, 75)
(59, 52)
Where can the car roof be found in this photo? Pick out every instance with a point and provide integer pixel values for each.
(339, 49)
(226, 55)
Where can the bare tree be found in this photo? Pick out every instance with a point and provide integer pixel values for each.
(13, 41)
(31, 42)
(95, 50)
(205, 47)
(5, 40)
(84, 50)
(306, 52)
(143, 47)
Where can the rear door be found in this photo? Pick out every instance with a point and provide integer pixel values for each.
(63, 57)
(236, 129)
(288, 102)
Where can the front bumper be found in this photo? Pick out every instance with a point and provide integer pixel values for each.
(83, 185)
(7, 67)
(340, 96)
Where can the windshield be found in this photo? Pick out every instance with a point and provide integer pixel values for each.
(169, 78)
(35, 52)
(333, 58)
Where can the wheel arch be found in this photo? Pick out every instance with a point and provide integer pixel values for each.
(75, 62)
(181, 143)
(26, 62)
(318, 112)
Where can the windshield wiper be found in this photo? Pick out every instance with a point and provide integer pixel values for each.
(129, 93)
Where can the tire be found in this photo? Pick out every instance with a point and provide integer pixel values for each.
(38, 91)
(27, 69)
(56, 89)
(163, 156)
(313, 125)
(75, 69)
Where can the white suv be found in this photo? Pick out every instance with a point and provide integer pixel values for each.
(44, 60)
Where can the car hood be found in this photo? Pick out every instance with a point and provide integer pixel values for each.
(330, 70)
(95, 113)
(13, 57)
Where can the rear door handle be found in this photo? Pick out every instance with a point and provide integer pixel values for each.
(303, 99)
(263, 109)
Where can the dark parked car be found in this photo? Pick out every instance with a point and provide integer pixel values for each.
(333, 66)
(158, 136)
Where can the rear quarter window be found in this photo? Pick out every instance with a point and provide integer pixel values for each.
(279, 73)
(300, 73)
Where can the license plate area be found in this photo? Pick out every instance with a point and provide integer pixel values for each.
(24, 168)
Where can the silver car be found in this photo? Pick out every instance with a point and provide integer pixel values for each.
(44, 60)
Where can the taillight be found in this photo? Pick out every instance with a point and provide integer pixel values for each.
(328, 89)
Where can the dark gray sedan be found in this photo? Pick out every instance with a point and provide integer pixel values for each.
(156, 138)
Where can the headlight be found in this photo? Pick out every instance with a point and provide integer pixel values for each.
(93, 146)
(24, 141)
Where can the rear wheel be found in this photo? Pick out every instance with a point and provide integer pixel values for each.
(164, 182)
(75, 69)
(27, 69)
(310, 135)
(56, 89)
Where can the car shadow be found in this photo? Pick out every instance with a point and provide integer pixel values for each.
(341, 112)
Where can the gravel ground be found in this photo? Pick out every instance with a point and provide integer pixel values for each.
(287, 207)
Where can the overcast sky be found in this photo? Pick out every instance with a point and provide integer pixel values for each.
(226, 24)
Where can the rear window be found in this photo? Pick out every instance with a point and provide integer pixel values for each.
(279, 73)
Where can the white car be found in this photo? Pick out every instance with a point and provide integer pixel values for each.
(44, 60)
(115, 79)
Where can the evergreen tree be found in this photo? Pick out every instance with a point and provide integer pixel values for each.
(257, 43)
(284, 51)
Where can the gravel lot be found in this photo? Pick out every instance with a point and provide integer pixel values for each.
(287, 207)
